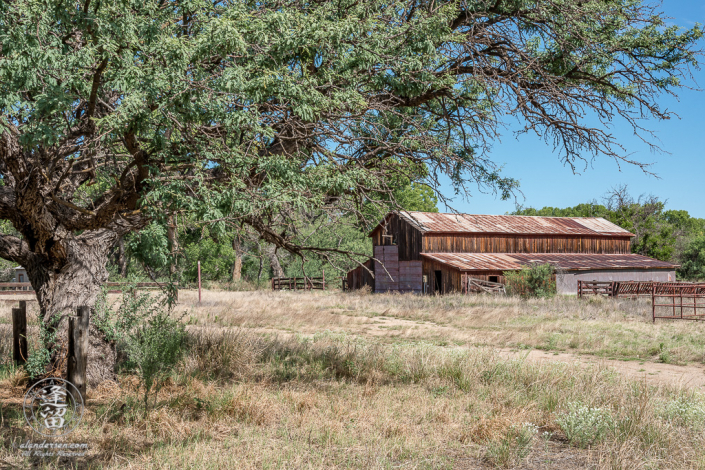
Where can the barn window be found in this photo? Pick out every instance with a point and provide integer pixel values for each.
(494, 279)
(438, 287)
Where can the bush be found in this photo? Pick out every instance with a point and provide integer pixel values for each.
(684, 411)
(154, 348)
(536, 280)
(149, 339)
(585, 426)
(513, 447)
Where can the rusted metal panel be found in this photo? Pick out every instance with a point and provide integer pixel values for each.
(566, 261)
(431, 222)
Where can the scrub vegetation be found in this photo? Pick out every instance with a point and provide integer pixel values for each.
(336, 380)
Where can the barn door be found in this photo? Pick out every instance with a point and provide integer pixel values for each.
(438, 282)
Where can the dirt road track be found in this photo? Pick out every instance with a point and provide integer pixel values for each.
(690, 376)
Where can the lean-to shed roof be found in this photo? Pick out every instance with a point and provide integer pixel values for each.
(566, 261)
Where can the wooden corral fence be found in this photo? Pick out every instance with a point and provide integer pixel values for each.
(676, 301)
(631, 289)
(20, 288)
(470, 284)
(595, 288)
(77, 352)
(299, 283)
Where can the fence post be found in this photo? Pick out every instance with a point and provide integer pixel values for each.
(78, 349)
(580, 289)
(324, 279)
(199, 282)
(653, 301)
(19, 333)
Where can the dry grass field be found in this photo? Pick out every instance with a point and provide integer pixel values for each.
(335, 380)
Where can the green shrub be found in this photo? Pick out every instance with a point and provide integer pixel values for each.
(513, 447)
(585, 426)
(536, 280)
(154, 348)
(684, 411)
(150, 341)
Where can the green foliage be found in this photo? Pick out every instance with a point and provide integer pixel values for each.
(684, 411)
(513, 447)
(40, 356)
(693, 260)
(536, 280)
(216, 256)
(154, 348)
(585, 426)
(142, 329)
(150, 246)
(117, 320)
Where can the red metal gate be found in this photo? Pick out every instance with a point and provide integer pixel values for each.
(672, 301)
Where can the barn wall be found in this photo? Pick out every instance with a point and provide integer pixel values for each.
(567, 283)
(450, 277)
(395, 275)
(404, 235)
(469, 243)
(360, 277)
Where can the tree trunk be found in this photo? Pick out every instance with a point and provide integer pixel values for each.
(76, 284)
(277, 270)
(237, 264)
(173, 238)
(122, 257)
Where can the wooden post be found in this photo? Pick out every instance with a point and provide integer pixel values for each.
(199, 282)
(19, 333)
(78, 349)
(653, 302)
(324, 279)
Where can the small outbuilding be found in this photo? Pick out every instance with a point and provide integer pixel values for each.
(431, 253)
(20, 274)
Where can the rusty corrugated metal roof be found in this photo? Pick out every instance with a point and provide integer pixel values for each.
(431, 222)
(567, 261)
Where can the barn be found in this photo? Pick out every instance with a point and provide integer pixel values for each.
(426, 252)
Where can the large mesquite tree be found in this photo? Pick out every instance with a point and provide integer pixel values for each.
(116, 112)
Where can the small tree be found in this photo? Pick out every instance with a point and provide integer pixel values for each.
(536, 280)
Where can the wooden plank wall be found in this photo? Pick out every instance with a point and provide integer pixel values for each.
(360, 277)
(439, 243)
(451, 277)
(403, 234)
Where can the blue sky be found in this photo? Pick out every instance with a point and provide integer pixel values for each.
(546, 182)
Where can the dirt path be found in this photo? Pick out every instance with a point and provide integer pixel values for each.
(690, 376)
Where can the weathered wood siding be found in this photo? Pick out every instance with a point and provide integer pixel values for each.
(450, 277)
(403, 235)
(468, 243)
(360, 277)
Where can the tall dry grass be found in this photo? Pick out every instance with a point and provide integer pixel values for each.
(273, 380)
